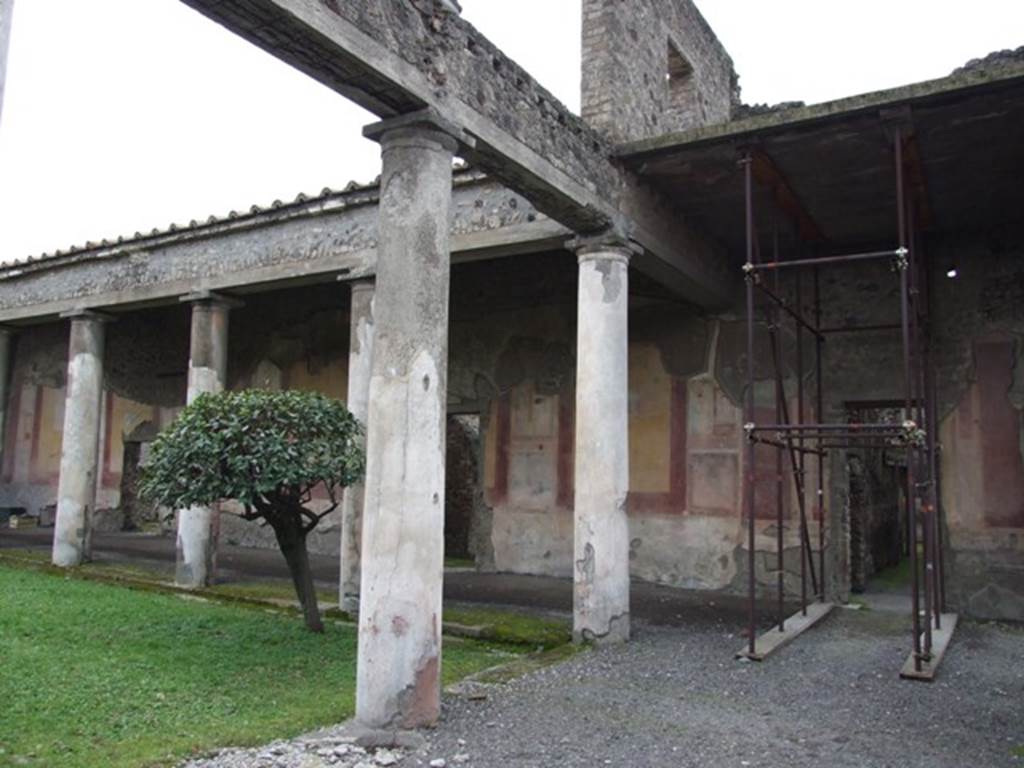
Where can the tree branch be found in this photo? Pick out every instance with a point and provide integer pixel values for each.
(249, 513)
(316, 517)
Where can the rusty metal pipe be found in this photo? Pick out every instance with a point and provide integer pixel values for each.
(749, 474)
(852, 427)
(819, 406)
(780, 395)
(800, 438)
(767, 266)
(781, 303)
(860, 328)
(908, 383)
(798, 479)
(780, 444)
(917, 393)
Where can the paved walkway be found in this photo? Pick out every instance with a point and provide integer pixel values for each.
(663, 606)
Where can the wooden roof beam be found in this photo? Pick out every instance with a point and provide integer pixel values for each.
(769, 176)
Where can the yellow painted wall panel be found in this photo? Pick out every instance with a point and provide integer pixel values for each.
(50, 419)
(650, 419)
(331, 379)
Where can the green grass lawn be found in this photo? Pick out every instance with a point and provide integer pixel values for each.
(96, 675)
(499, 624)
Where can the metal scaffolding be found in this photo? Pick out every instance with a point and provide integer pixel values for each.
(799, 442)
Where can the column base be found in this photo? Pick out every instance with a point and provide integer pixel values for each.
(196, 557)
(615, 632)
(70, 539)
(369, 737)
(350, 605)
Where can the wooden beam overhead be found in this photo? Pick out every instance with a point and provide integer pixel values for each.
(768, 175)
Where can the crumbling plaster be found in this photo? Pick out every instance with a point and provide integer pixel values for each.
(517, 363)
(311, 239)
(395, 57)
(511, 336)
(513, 355)
(980, 326)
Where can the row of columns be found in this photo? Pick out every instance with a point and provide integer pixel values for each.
(392, 540)
(76, 487)
(402, 559)
(197, 529)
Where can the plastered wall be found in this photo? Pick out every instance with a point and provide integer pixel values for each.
(512, 341)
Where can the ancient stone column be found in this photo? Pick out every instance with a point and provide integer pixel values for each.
(360, 355)
(196, 557)
(399, 667)
(6, 345)
(76, 488)
(601, 544)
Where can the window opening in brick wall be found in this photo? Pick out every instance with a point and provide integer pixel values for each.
(679, 78)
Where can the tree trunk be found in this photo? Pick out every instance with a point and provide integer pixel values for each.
(291, 537)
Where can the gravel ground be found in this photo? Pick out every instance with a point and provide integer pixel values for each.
(675, 697)
(833, 698)
(319, 751)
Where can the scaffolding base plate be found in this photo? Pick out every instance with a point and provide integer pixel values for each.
(940, 642)
(796, 625)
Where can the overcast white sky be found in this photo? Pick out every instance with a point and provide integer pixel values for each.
(124, 115)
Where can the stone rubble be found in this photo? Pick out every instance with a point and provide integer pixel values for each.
(1007, 57)
(335, 747)
(304, 752)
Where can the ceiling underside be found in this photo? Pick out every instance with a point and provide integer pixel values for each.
(965, 162)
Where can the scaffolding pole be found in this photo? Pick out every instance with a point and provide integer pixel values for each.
(801, 437)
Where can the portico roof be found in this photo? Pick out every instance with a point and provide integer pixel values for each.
(827, 169)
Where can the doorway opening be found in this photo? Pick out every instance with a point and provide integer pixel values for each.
(879, 537)
(463, 488)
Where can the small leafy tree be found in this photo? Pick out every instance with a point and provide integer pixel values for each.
(268, 451)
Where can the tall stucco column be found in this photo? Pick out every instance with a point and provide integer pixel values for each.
(76, 488)
(6, 345)
(360, 356)
(601, 542)
(196, 549)
(399, 666)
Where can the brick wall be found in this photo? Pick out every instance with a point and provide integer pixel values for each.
(652, 67)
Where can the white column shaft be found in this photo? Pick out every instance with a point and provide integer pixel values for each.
(398, 677)
(6, 362)
(76, 488)
(360, 357)
(601, 546)
(196, 546)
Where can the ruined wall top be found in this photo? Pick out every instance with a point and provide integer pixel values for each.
(652, 67)
(461, 63)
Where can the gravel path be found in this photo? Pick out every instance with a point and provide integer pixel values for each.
(674, 697)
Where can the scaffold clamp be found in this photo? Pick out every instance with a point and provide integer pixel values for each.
(901, 258)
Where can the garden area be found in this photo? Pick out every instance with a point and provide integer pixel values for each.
(96, 674)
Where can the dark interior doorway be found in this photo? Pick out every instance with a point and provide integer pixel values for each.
(462, 484)
(877, 476)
